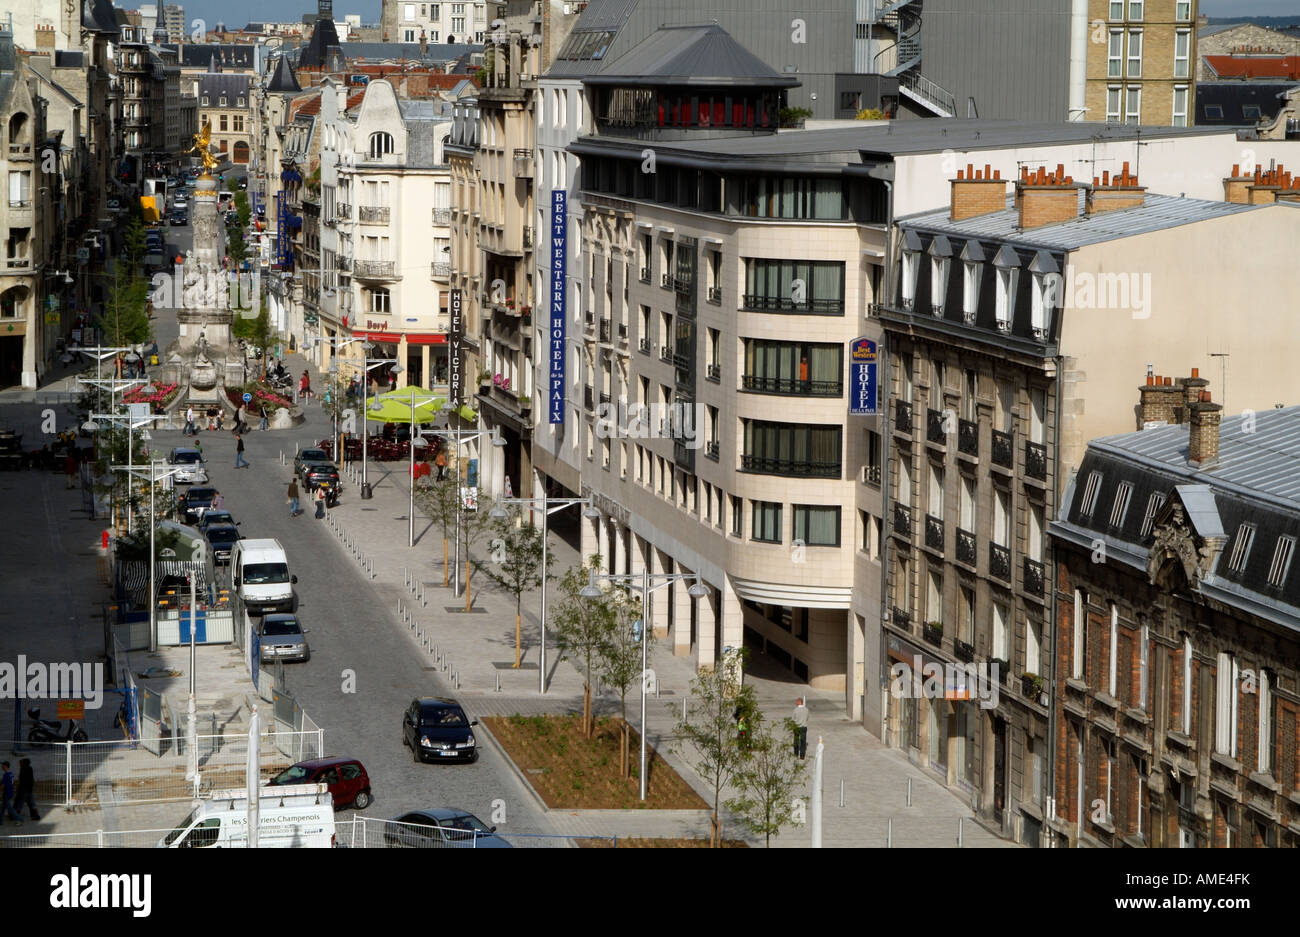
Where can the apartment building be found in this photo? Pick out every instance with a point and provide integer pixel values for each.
(1011, 326)
(435, 22)
(1243, 39)
(271, 124)
(225, 102)
(386, 188)
(294, 296)
(1177, 699)
(145, 79)
(1147, 74)
(466, 261)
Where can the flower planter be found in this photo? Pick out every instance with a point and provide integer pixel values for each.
(932, 633)
(1031, 686)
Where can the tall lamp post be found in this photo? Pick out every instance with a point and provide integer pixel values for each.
(154, 478)
(416, 440)
(593, 591)
(131, 425)
(548, 506)
(368, 364)
(462, 434)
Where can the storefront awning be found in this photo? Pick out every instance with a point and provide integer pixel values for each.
(412, 338)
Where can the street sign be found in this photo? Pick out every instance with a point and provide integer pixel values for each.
(71, 709)
(83, 255)
(248, 397)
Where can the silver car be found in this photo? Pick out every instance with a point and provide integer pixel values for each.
(283, 638)
(190, 463)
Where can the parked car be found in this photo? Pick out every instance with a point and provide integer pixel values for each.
(283, 638)
(180, 202)
(317, 474)
(243, 183)
(221, 537)
(190, 463)
(306, 456)
(195, 503)
(212, 518)
(348, 782)
(442, 827)
(178, 218)
(438, 728)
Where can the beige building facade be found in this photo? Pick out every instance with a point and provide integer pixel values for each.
(1141, 62)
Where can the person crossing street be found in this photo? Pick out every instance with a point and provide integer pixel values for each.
(293, 498)
(239, 452)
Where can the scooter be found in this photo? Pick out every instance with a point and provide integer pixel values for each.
(47, 730)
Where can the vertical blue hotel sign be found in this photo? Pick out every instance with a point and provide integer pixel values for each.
(862, 377)
(559, 249)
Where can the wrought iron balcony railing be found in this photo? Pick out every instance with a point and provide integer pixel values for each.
(1033, 577)
(1000, 562)
(968, 437)
(1004, 452)
(934, 538)
(1036, 460)
(796, 468)
(935, 431)
(902, 521)
(966, 552)
(903, 417)
(375, 214)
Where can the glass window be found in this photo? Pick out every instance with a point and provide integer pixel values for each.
(794, 286)
(766, 518)
(1001, 632)
(1079, 645)
(970, 289)
(1135, 10)
(1182, 52)
(1183, 10)
(1114, 53)
(1117, 10)
(793, 368)
(817, 526)
(737, 516)
(785, 196)
(788, 449)
(1133, 105)
(1113, 100)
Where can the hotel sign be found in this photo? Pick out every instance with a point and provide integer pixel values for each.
(456, 334)
(862, 377)
(559, 248)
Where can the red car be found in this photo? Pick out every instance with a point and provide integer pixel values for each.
(348, 782)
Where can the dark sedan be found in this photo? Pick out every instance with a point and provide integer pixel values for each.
(195, 502)
(213, 517)
(438, 728)
(221, 537)
(441, 828)
(320, 473)
(307, 456)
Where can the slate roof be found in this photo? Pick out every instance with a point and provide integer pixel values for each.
(1231, 97)
(202, 55)
(323, 37)
(283, 80)
(215, 84)
(692, 55)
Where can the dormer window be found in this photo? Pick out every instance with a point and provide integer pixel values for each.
(1007, 265)
(1047, 279)
(940, 258)
(911, 267)
(381, 144)
(972, 256)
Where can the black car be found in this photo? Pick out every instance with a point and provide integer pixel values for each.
(194, 503)
(315, 474)
(221, 537)
(305, 457)
(178, 218)
(438, 729)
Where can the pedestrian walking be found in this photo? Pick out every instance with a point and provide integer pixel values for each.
(800, 720)
(7, 786)
(190, 428)
(239, 420)
(70, 468)
(218, 502)
(265, 424)
(27, 788)
(441, 461)
(319, 497)
(239, 452)
(293, 498)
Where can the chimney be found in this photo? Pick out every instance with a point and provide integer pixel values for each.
(1044, 198)
(1159, 401)
(1110, 194)
(976, 192)
(1265, 187)
(1234, 186)
(1192, 387)
(424, 43)
(1203, 437)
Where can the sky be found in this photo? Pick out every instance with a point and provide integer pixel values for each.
(239, 12)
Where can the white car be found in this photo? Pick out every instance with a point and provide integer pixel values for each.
(180, 202)
(190, 464)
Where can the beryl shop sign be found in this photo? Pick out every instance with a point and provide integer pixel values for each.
(559, 248)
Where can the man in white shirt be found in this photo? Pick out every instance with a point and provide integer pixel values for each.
(189, 422)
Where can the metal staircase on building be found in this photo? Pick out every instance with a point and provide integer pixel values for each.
(903, 19)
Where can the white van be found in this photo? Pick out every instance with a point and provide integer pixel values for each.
(259, 572)
(293, 816)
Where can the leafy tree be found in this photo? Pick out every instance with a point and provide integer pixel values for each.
(255, 330)
(133, 242)
(235, 246)
(767, 782)
(620, 658)
(474, 526)
(520, 569)
(243, 209)
(135, 546)
(126, 314)
(709, 728)
(440, 500)
(582, 628)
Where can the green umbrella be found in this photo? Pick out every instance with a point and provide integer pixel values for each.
(394, 406)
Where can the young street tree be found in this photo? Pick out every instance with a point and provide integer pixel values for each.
(440, 500)
(582, 628)
(709, 729)
(515, 563)
(767, 781)
(126, 314)
(474, 526)
(620, 658)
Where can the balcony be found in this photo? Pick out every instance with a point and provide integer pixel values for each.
(589, 321)
(343, 264)
(666, 353)
(645, 274)
(781, 385)
(903, 417)
(817, 307)
(1000, 562)
(934, 532)
(966, 552)
(1033, 577)
(442, 216)
(934, 428)
(903, 521)
(968, 437)
(375, 270)
(439, 270)
(795, 468)
(666, 281)
(588, 399)
(523, 164)
(932, 633)
(604, 397)
(963, 651)
(342, 211)
(871, 474)
(644, 346)
(605, 326)
(715, 295)
(20, 151)
(714, 373)
(18, 263)
(1003, 449)
(622, 331)
(528, 237)
(902, 620)
(1036, 460)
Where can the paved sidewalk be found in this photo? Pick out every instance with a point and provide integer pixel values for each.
(479, 648)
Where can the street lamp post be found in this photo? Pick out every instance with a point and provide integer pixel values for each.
(131, 424)
(497, 440)
(593, 591)
(548, 507)
(154, 478)
(367, 365)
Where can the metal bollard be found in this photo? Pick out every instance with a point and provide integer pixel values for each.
(960, 821)
(372, 569)
(889, 834)
(841, 792)
(498, 681)
(909, 792)
(458, 679)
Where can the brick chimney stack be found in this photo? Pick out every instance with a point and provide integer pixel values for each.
(976, 193)
(1234, 186)
(1044, 198)
(1203, 437)
(1192, 387)
(1266, 186)
(1107, 194)
(1157, 403)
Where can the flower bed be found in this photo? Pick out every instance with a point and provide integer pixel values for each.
(261, 398)
(157, 395)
